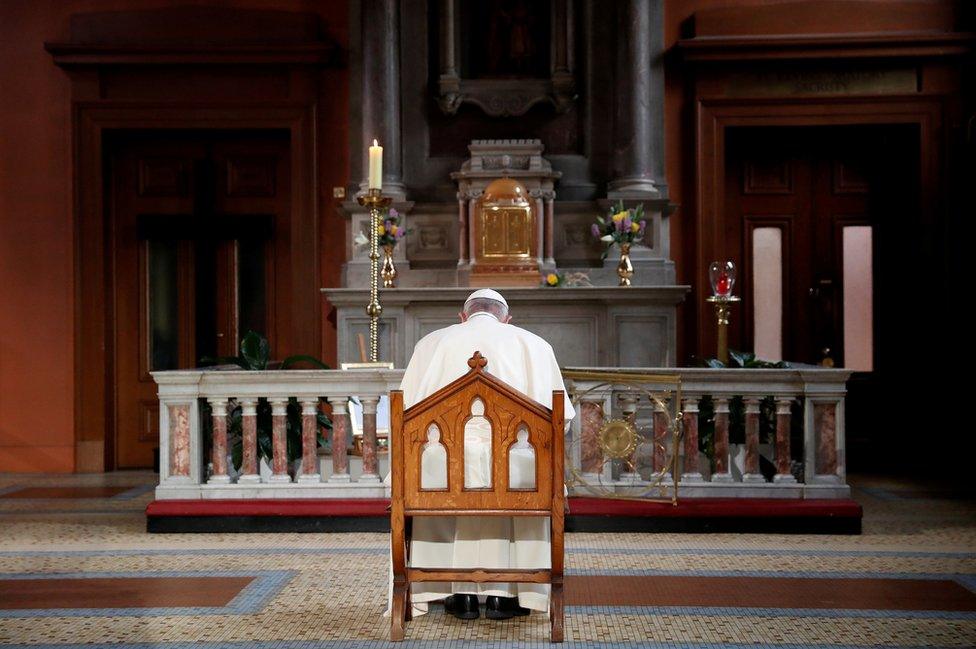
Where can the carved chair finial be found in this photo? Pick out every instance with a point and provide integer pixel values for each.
(477, 361)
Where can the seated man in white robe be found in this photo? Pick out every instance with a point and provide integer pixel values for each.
(527, 363)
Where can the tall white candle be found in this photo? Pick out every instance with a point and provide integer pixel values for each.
(375, 166)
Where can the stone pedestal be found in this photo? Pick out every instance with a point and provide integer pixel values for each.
(594, 327)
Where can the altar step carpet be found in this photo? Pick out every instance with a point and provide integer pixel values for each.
(693, 515)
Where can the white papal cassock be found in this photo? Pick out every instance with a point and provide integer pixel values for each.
(527, 363)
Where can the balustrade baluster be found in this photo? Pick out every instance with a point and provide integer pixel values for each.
(783, 475)
(279, 440)
(721, 410)
(310, 426)
(340, 429)
(370, 459)
(249, 442)
(751, 471)
(218, 452)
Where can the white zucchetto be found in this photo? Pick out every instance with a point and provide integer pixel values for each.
(488, 294)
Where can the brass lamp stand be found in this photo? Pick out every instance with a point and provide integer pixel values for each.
(723, 307)
(375, 201)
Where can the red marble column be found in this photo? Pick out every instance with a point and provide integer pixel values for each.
(751, 471)
(662, 441)
(591, 420)
(370, 464)
(721, 409)
(179, 440)
(783, 474)
(340, 429)
(218, 454)
(310, 457)
(279, 441)
(689, 417)
(249, 442)
(825, 423)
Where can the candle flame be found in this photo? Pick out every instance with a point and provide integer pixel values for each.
(374, 142)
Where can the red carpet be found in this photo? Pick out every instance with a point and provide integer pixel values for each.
(608, 507)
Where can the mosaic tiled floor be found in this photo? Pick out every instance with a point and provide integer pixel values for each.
(78, 569)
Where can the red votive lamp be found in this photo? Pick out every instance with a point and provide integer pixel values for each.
(722, 276)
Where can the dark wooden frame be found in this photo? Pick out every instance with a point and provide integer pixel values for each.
(121, 65)
(508, 410)
(715, 116)
(94, 348)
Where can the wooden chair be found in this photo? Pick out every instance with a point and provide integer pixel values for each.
(508, 411)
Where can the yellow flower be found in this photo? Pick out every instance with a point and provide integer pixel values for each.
(619, 216)
(552, 279)
(381, 230)
(393, 229)
(634, 227)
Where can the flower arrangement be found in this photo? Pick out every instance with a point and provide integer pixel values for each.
(390, 231)
(622, 226)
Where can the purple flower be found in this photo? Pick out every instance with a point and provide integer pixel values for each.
(596, 230)
(400, 233)
(388, 225)
(627, 223)
(394, 214)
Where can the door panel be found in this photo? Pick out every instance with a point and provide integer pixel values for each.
(194, 240)
(821, 186)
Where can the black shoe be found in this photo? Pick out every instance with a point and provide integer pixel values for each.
(463, 607)
(503, 608)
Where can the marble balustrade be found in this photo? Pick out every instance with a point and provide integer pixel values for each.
(191, 469)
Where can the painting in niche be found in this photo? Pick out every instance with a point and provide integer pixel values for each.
(505, 39)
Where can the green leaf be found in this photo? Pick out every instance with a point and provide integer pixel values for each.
(600, 220)
(323, 421)
(255, 351)
(742, 359)
(714, 363)
(303, 358)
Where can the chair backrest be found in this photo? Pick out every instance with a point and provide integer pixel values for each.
(442, 418)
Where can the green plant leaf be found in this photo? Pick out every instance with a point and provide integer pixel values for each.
(303, 358)
(742, 359)
(255, 350)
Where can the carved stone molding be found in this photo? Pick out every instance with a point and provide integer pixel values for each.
(506, 97)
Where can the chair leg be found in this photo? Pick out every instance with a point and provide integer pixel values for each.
(399, 612)
(556, 613)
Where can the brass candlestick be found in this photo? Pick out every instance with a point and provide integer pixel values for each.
(723, 307)
(375, 201)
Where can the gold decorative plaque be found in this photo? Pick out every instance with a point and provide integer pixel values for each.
(618, 438)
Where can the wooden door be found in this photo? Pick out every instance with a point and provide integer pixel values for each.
(827, 212)
(197, 220)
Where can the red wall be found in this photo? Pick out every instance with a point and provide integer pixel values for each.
(36, 241)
